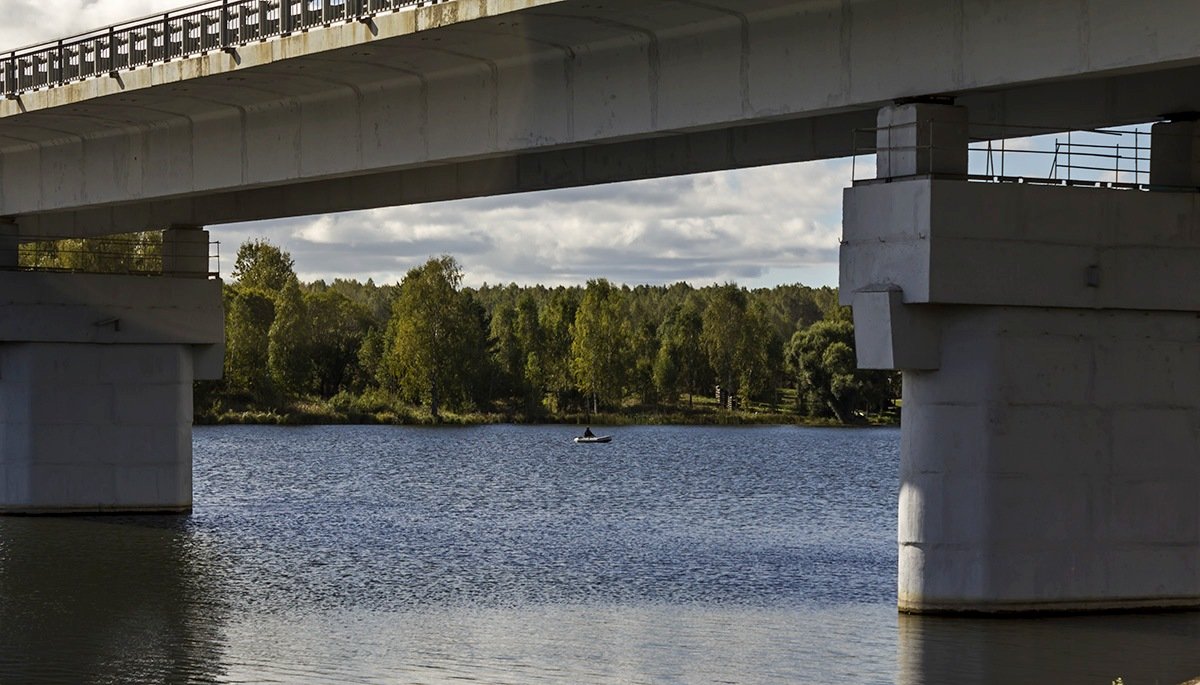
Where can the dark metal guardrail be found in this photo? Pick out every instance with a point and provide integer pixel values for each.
(210, 26)
(1110, 158)
(137, 254)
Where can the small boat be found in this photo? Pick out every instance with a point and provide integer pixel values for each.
(594, 438)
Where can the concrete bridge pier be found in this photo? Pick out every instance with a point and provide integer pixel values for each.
(96, 376)
(1050, 348)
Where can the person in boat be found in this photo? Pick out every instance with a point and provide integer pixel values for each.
(587, 432)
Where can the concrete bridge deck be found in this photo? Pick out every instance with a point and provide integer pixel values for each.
(477, 97)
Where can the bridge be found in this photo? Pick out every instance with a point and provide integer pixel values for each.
(1047, 333)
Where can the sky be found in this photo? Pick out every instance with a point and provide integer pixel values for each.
(757, 227)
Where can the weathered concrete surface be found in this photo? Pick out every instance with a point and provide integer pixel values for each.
(475, 98)
(96, 379)
(892, 335)
(956, 242)
(52, 307)
(1050, 461)
(95, 428)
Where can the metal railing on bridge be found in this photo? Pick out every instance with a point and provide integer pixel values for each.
(210, 26)
(136, 254)
(1109, 157)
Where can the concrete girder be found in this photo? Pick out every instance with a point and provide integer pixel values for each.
(763, 144)
(505, 79)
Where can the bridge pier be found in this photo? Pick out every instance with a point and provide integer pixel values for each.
(96, 376)
(1050, 348)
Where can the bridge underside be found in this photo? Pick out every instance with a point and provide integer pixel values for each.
(470, 98)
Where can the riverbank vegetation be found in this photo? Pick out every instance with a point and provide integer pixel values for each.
(428, 350)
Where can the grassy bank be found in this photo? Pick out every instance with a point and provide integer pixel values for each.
(375, 410)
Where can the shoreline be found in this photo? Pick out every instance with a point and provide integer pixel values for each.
(415, 417)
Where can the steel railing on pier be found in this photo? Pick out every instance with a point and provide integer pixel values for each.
(141, 254)
(1114, 158)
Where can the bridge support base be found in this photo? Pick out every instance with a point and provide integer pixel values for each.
(1050, 346)
(95, 428)
(1052, 463)
(96, 377)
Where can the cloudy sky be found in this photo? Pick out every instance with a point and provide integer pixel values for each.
(758, 227)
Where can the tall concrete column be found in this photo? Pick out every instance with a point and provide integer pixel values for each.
(1050, 348)
(96, 376)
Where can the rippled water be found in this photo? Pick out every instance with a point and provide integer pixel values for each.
(510, 555)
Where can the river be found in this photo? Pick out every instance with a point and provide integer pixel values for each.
(508, 554)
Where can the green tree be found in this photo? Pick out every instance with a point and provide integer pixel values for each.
(600, 344)
(119, 253)
(371, 360)
(532, 342)
(248, 317)
(436, 336)
(263, 266)
(829, 382)
(508, 354)
(645, 317)
(554, 355)
(735, 340)
(337, 331)
(762, 354)
(643, 353)
(680, 365)
(289, 357)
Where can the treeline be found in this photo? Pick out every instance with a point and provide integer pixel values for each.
(530, 353)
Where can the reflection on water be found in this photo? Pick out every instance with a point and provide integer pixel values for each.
(555, 644)
(510, 555)
(1138, 648)
(106, 600)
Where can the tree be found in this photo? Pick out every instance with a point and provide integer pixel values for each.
(735, 340)
(532, 342)
(337, 331)
(289, 357)
(829, 382)
(119, 253)
(600, 344)
(508, 354)
(436, 336)
(764, 373)
(263, 266)
(554, 363)
(680, 365)
(248, 317)
(644, 321)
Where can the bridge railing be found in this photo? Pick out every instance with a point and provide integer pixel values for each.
(1115, 158)
(193, 30)
(140, 254)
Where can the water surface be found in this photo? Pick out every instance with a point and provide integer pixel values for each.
(506, 554)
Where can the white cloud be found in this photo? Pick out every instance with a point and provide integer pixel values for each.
(24, 22)
(741, 225)
(757, 226)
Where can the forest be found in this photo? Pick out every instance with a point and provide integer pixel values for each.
(429, 350)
